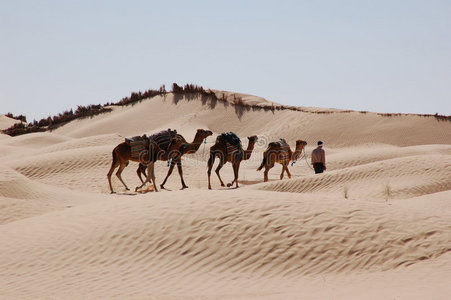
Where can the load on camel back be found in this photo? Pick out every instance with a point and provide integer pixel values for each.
(284, 154)
(163, 138)
(139, 144)
(233, 143)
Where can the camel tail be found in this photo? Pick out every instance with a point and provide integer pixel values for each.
(114, 158)
(262, 164)
(211, 160)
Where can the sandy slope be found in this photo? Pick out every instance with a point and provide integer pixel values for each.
(198, 241)
(6, 122)
(375, 225)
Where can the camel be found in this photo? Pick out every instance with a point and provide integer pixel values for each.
(183, 148)
(235, 157)
(122, 154)
(281, 153)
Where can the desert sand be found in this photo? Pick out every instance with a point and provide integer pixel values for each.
(375, 225)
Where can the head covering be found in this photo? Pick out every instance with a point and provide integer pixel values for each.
(320, 143)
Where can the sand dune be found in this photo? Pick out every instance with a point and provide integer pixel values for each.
(390, 179)
(224, 234)
(339, 129)
(375, 225)
(22, 198)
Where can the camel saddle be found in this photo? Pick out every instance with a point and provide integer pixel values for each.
(231, 138)
(233, 144)
(163, 138)
(137, 145)
(284, 154)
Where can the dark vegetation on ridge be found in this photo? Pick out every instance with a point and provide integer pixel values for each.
(18, 118)
(189, 92)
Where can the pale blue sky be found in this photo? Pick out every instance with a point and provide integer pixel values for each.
(383, 56)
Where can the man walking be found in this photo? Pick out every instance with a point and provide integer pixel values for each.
(319, 158)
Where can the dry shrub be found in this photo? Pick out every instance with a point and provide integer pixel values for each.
(19, 117)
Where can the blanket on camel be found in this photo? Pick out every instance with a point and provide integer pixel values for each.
(137, 145)
(163, 138)
(233, 143)
(284, 154)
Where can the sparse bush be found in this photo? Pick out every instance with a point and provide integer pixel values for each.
(19, 117)
(388, 192)
(177, 89)
(22, 128)
(442, 118)
(139, 96)
(54, 122)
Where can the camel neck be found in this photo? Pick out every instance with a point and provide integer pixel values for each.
(195, 144)
(297, 153)
(248, 151)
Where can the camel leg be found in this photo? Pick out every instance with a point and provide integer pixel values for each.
(144, 182)
(171, 167)
(268, 167)
(221, 163)
(236, 167)
(150, 175)
(110, 172)
(283, 170)
(265, 174)
(118, 174)
(179, 168)
(237, 172)
(151, 172)
(210, 163)
(141, 170)
(288, 172)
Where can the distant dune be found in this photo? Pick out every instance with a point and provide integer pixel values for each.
(375, 225)
(6, 122)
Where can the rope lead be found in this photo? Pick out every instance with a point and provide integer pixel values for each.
(203, 151)
(305, 156)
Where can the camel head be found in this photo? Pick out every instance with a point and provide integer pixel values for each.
(250, 146)
(300, 144)
(252, 139)
(202, 133)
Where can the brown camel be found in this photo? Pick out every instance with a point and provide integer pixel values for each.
(176, 154)
(227, 154)
(122, 154)
(281, 153)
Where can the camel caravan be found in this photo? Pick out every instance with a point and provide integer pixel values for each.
(168, 145)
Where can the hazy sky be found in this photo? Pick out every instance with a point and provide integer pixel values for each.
(383, 56)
